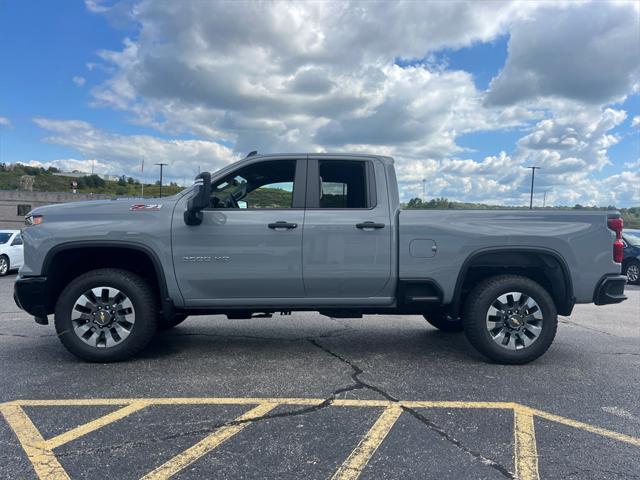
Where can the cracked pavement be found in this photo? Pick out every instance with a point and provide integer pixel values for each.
(590, 374)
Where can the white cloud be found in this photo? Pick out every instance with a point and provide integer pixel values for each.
(576, 140)
(79, 81)
(587, 52)
(77, 165)
(318, 76)
(122, 154)
(95, 6)
(5, 122)
(636, 121)
(213, 76)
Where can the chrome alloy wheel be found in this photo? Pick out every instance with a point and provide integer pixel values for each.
(103, 317)
(514, 320)
(633, 273)
(4, 265)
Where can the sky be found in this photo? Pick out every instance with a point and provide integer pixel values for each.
(464, 95)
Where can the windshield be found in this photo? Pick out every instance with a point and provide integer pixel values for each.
(4, 237)
(632, 239)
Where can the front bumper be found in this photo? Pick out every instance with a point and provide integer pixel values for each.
(610, 289)
(31, 294)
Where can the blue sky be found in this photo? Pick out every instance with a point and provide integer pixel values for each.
(466, 101)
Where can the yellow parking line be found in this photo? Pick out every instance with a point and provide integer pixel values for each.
(40, 451)
(257, 400)
(526, 451)
(78, 432)
(621, 437)
(177, 463)
(168, 401)
(455, 404)
(353, 466)
(44, 461)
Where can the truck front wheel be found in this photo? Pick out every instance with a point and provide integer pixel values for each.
(510, 319)
(106, 315)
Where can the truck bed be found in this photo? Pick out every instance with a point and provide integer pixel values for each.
(436, 244)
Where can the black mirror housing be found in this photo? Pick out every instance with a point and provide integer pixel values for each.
(199, 200)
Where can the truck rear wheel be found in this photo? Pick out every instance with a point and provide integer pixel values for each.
(444, 322)
(106, 315)
(510, 319)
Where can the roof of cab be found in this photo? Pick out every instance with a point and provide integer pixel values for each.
(330, 155)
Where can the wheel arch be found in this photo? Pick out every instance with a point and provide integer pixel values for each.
(543, 265)
(68, 260)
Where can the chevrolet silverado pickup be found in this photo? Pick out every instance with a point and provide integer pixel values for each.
(280, 233)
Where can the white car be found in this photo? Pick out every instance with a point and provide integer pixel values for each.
(11, 253)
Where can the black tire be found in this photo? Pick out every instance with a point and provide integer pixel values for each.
(6, 259)
(636, 265)
(164, 324)
(444, 322)
(477, 307)
(137, 291)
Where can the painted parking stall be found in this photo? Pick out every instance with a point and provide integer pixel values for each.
(41, 451)
(321, 398)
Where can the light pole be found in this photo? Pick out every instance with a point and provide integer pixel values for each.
(161, 165)
(533, 177)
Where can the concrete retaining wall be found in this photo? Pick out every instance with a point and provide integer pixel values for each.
(10, 199)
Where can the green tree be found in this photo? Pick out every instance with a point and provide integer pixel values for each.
(415, 203)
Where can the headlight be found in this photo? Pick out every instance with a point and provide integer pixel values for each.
(33, 220)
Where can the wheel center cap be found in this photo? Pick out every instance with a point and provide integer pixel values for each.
(515, 321)
(103, 317)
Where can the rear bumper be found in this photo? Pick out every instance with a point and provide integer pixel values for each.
(610, 289)
(31, 294)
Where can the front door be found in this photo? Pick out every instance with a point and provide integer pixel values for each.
(249, 244)
(347, 231)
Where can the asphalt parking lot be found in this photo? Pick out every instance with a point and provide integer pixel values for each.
(314, 397)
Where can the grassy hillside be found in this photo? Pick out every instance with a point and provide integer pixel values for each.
(46, 181)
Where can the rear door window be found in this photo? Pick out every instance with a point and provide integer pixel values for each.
(343, 184)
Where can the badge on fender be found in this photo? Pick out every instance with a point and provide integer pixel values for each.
(137, 207)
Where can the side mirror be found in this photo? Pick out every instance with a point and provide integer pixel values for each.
(199, 200)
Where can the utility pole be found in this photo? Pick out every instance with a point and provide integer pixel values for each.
(142, 182)
(533, 177)
(161, 165)
(544, 199)
(424, 189)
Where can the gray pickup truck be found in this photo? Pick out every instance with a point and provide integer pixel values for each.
(281, 233)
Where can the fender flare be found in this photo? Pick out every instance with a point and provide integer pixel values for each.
(155, 261)
(564, 267)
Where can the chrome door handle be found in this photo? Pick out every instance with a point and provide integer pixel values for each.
(365, 225)
(284, 225)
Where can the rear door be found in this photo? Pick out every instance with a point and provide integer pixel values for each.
(248, 246)
(347, 231)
